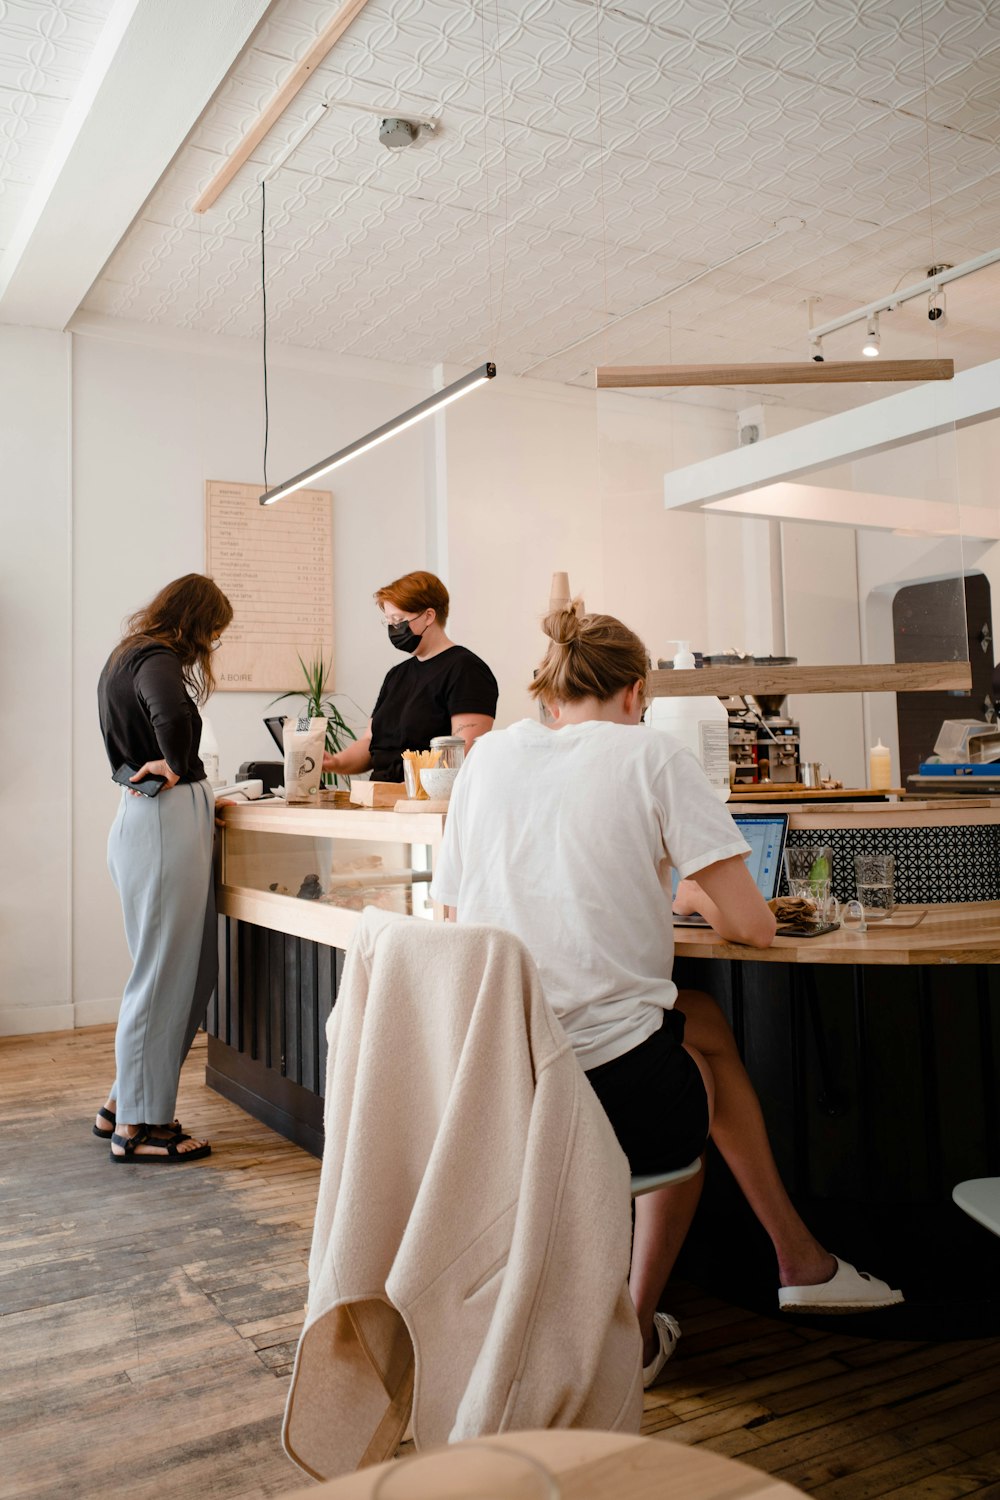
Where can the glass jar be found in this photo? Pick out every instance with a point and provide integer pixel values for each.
(452, 750)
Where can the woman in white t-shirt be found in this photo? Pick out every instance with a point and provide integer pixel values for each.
(566, 837)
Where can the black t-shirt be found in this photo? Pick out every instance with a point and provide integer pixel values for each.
(418, 700)
(147, 713)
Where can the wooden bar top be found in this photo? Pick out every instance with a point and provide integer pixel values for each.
(334, 820)
(949, 934)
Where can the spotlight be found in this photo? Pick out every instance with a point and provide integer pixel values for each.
(871, 345)
(816, 350)
(936, 306)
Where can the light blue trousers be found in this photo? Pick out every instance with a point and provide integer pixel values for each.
(160, 858)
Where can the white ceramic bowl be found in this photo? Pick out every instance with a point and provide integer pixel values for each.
(437, 781)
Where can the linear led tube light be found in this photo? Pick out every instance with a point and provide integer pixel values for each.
(406, 419)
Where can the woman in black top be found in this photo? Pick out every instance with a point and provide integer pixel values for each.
(160, 858)
(441, 689)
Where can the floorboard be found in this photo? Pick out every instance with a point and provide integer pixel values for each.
(149, 1317)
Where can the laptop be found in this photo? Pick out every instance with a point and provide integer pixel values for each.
(765, 833)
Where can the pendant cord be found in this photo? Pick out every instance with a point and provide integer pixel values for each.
(927, 139)
(506, 212)
(263, 297)
(486, 176)
(601, 189)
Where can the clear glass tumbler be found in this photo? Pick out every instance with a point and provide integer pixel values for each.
(875, 878)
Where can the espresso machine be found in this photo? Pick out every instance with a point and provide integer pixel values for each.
(763, 742)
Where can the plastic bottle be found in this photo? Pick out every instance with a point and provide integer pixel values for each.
(208, 749)
(880, 767)
(702, 724)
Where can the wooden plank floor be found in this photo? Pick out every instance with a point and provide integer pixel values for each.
(148, 1319)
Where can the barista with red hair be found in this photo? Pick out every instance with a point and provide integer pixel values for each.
(441, 688)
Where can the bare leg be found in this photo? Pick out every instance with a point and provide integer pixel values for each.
(662, 1220)
(739, 1132)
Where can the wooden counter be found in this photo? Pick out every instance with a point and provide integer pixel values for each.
(961, 934)
(331, 820)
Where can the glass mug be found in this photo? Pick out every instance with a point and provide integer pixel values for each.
(874, 876)
(809, 872)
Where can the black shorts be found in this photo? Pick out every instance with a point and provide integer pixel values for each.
(655, 1099)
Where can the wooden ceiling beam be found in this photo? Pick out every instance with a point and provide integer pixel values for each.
(272, 112)
(808, 372)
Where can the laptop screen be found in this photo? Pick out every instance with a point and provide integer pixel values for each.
(765, 833)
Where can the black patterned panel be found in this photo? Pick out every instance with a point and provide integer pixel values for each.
(932, 864)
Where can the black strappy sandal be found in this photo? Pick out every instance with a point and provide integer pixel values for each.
(169, 1144)
(108, 1114)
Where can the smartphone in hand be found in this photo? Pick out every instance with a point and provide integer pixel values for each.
(149, 786)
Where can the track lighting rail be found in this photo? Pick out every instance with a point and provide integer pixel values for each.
(894, 299)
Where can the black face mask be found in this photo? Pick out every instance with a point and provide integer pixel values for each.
(402, 637)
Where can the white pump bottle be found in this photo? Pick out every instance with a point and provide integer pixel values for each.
(701, 724)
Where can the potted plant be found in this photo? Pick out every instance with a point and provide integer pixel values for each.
(320, 705)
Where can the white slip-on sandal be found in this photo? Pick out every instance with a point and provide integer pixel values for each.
(668, 1331)
(847, 1291)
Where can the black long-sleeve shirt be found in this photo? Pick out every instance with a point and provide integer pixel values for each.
(147, 713)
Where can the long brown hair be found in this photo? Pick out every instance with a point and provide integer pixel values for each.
(589, 656)
(185, 616)
(416, 592)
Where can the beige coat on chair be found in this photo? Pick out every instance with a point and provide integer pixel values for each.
(471, 1248)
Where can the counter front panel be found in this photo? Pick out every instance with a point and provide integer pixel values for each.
(293, 884)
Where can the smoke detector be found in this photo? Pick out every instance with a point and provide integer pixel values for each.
(395, 132)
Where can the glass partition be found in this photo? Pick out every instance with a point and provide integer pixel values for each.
(346, 873)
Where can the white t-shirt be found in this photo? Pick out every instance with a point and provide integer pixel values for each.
(566, 838)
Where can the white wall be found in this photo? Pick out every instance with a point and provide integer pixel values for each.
(544, 478)
(35, 681)
(152, 421)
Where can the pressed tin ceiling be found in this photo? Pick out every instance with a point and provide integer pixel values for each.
(44, 48)
(590, 161)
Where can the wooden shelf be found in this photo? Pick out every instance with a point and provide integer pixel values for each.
(792, 792)
(877, 677)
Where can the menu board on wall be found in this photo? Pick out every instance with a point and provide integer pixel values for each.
(275, 564)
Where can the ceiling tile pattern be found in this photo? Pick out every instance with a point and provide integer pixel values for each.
(45, 46)
(684, 171)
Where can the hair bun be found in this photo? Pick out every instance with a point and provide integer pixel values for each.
(564, 625)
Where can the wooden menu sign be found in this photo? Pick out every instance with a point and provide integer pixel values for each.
(275, 564)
